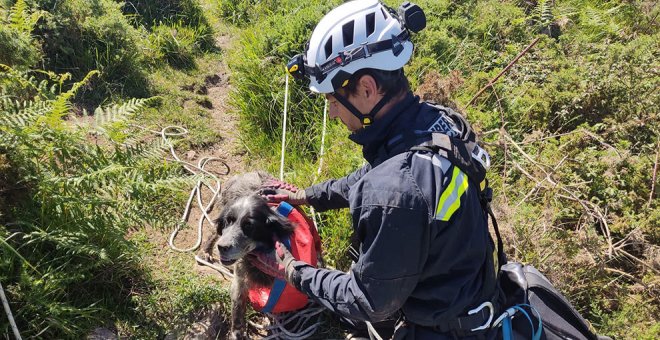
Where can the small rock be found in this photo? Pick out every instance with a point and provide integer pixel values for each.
(191, 155)
(102, 334)
(213, 79)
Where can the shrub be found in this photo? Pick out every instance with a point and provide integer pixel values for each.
(16, 45)
(66, 264)
(81, 36)
(177, 44)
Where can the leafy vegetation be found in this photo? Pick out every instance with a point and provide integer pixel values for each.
(572, 129)
(77, 191)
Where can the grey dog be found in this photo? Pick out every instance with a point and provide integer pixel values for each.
(246, 225)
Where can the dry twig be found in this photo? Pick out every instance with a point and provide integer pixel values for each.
(655, 172)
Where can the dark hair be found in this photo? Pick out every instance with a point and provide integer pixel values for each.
(390, 83)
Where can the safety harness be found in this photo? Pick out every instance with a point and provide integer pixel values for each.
(463, 151)
(305, 245)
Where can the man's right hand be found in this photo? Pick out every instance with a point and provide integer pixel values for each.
(276, 191)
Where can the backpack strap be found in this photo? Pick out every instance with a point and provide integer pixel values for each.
(459, 145)
(456, 151)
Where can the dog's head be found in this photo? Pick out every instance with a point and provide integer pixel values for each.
(246, 225)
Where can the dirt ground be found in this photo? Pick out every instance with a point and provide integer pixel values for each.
(227, 151)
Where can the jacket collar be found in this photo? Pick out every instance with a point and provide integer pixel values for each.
(379, 140)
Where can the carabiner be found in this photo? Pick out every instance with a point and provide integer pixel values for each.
(491, 309)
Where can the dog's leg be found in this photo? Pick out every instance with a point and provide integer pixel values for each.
(208, 246)
(239, 306)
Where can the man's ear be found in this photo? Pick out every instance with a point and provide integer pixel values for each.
(368, 86)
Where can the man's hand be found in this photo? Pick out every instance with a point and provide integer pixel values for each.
(276, 191)
(280, 264)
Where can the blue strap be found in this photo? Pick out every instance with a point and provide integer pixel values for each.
(275, 293)
(507, 333)
(536, 335)
(278, 285)
(284, 209)
(506, 329)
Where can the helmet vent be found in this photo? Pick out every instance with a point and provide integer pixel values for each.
(371, 23)
(347, 32)
(382, 10)
(328, 48)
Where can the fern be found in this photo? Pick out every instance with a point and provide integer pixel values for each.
(82, 200)
(542, 15)
(22, 19)
(122, 112)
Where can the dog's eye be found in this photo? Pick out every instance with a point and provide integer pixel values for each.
(247, 228)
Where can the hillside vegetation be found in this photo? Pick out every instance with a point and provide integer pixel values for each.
(572, 129)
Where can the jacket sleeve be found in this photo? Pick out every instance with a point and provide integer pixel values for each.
(333, 194)
(392, 255)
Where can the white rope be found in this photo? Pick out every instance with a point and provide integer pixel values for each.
(10, 316)
(196, 191)
(302, 329)
(321, 153)
(286, 102)
(372, 331)
(222, 269)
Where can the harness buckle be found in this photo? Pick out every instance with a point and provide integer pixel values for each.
(491, 309)
(365, 48)
(507, 314)
(481, 156)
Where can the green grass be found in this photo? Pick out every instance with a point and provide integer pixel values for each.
(73, 206)
(583, 97)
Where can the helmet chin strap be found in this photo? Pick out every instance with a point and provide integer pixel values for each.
(368, 118)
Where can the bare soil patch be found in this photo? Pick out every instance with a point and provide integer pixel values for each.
(227, 149)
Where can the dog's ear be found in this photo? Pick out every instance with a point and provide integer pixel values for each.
(279, 225)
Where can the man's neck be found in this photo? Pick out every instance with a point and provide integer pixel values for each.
(390, 104)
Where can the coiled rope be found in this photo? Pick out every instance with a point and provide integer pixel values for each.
(297, 325)
(177, 131)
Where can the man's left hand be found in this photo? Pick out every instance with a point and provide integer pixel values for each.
(280, 263)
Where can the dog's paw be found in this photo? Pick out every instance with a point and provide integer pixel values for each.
(208, 257)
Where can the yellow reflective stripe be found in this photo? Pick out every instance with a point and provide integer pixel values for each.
(450, 200)
(457, 203)
(445, 194)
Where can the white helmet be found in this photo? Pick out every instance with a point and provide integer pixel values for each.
(356, 35)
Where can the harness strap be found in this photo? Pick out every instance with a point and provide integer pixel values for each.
(364, 51)
(464, 325)
(278, 286)
(455, 150)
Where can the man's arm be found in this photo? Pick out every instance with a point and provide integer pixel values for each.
(333, 194)
(391, 260)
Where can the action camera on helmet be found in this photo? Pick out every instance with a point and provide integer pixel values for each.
(412, 16)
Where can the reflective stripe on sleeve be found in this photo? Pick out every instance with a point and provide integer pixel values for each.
(450, 200)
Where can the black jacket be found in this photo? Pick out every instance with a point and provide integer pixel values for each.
(424, 242)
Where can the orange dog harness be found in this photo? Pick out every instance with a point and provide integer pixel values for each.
(305, 245)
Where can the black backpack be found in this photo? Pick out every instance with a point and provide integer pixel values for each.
(524, 286)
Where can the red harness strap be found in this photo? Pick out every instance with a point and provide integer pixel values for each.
(305, 245)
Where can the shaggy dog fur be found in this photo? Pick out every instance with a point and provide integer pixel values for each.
(246, 224)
